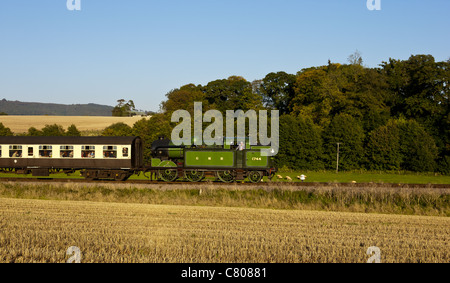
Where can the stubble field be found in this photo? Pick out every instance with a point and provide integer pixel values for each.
(108, 230)
(20, 124)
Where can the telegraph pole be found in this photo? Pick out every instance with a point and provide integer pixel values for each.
(337, 158)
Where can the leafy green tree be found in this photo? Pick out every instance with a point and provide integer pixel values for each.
(324, 92)
(300, 144)
(232, 94)
(72, 131)
(418, 148)
(347, 131)
(383, 148)
(420, 90)
(184, 99)
(150, 130)
(123, 109)
(32, 131)
(53, 130)
(119, 129)
(5, 131)
(277, 91)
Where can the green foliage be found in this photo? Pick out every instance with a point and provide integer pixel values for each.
(150, 130)
(32, 131)
(123, 109)
(232, 94)
(347, 131)
(53, 130)
(301, 144)
(277, 91)
(5, 131)
(418, 148)
(395, 117)
(72, 131)
(183, 99)
(383, 148)
(117, 129)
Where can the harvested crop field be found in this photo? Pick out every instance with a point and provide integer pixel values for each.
(33, 230)
(21, 124)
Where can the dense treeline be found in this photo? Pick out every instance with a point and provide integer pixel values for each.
(393, 117)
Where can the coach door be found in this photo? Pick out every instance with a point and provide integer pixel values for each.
(136, 153)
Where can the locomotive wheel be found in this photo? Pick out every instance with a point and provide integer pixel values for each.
(225, 176)
(254, 176)
(168, 175)
(194, 175)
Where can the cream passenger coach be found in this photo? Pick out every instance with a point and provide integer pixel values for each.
(96, 157)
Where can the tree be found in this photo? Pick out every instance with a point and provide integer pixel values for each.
(123, 109)
(355, 58)
(324, 92)
(232, 94)
(72, 131)
(418, 148)
(183, 99)
(5, 131)
(311, 98)
(119, 129)
(150, 130)
(420, 89)
(347, 131)
(300, 144)
(32, 131)
(277, 91)
(53, 130)
(383, 148)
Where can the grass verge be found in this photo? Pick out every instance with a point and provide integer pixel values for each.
(369, 199)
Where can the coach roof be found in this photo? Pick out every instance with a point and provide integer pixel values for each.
(67, 140)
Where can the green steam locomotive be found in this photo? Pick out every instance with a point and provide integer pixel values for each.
(228, 163)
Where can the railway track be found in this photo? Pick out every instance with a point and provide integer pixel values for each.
(268, 183)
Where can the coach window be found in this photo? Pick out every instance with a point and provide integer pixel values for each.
(45, 151)
(109, 151)
(88, 151)
(125, 152)
(66, 151)
(30, 151)
(15, 151)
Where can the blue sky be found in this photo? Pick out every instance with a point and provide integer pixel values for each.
(140, 50)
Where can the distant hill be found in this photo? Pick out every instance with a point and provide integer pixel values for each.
(37, 108)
